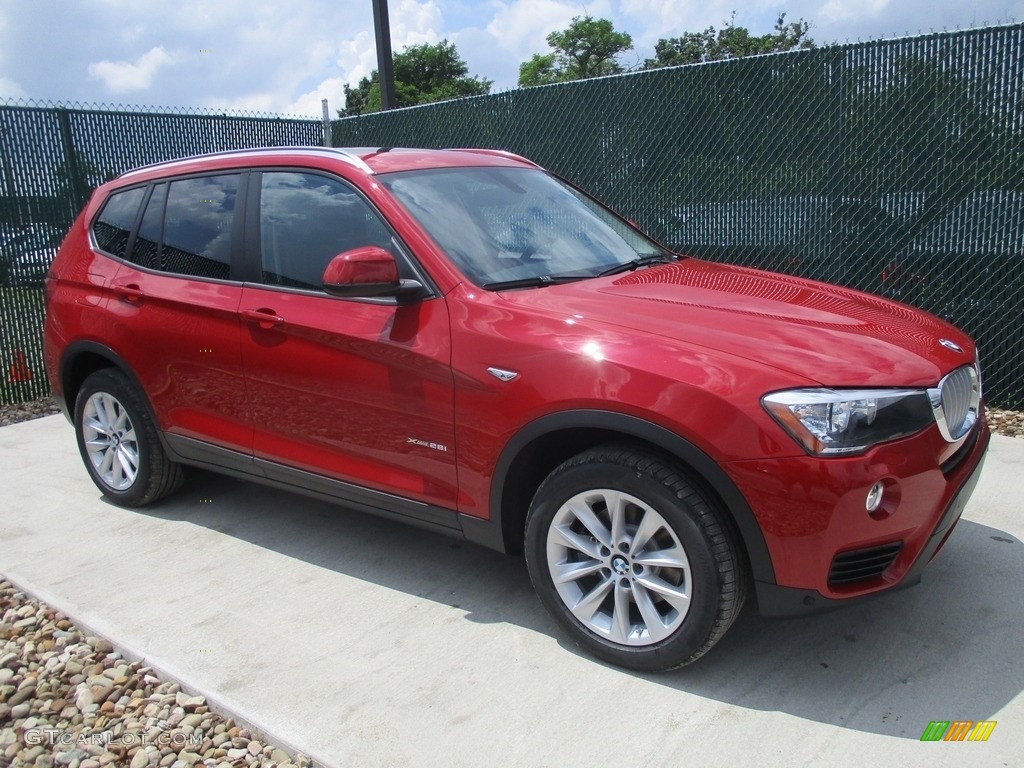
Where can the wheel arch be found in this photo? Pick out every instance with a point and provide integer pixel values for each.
(543, 444)
(80, 360)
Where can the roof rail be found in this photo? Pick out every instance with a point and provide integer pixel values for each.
(495, 153)
(348, 154)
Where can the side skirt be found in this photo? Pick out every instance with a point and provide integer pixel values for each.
(197, 453)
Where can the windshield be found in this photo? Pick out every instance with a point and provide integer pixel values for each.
(504, 225)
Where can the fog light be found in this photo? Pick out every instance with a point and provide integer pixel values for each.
(874, 499)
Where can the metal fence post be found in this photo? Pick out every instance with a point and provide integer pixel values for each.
(75, 185)
(327, 122)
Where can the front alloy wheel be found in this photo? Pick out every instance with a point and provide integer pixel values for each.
(634, 559)
(619, 567)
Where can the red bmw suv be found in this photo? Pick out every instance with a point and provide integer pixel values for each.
(461, 340)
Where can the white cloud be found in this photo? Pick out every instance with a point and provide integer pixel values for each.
(523, 25)
(10, 89)
(517, 30)
(414, 23)
(357, 57)
(844, 10)
(308, 104)
(121, 76)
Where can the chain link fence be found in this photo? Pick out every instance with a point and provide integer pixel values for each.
(50, 159)
(895, 167)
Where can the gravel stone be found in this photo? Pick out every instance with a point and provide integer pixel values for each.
(1008, 423)
(115, 712)
(34, 409)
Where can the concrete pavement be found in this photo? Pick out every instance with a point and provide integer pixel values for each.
(362, 642)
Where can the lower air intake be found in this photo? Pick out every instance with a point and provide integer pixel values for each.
(862, 564)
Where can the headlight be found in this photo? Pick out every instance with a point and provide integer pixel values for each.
(830, 422)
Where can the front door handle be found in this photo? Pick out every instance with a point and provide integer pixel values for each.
(266, 318)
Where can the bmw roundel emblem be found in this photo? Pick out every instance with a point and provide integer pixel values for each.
(950, 345)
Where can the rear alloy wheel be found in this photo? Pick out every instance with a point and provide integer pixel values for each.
(119, 443)
(633, 559)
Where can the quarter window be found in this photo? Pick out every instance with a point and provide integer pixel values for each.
(146, 250)
(307, 219)
(114, 224)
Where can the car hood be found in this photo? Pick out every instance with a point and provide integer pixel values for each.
(827, 334)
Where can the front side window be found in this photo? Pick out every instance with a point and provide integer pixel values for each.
(197, 226)
(306, 220)
(114, 224)
(501, 225)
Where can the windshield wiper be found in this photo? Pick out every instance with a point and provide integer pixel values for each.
(538, 281)
(643, 261)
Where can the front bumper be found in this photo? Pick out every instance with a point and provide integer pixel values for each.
(812, 510)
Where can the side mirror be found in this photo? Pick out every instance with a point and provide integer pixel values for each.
(367, 272)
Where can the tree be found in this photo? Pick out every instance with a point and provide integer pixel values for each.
(423, 74)
(730, 42)
(586, 48)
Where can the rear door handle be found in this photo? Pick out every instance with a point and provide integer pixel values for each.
(130, 293)
(266, 318)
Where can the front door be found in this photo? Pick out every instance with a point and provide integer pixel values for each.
(358, 391)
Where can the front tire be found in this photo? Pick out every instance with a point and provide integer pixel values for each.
(120, 444)
(633, 559)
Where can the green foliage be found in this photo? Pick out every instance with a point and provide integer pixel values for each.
(541, 69)
(423, 74)
(586, 48)
(730, 42)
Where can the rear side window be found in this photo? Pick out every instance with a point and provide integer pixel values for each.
(197, 226)
(306, 220)
(114, 224)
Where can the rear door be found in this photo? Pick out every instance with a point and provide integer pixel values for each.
(175, 303)
(356, 391)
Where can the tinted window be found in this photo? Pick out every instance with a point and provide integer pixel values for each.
(115, 223)
(307, 219)
(146, 250)
(197, 226)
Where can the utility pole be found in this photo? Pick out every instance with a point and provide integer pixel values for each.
(385, 67)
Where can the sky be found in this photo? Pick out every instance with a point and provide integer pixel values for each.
(284, 57)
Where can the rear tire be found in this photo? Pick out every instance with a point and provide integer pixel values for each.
(633, 559)
(120, 443)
